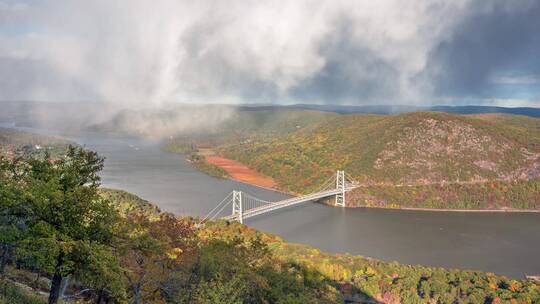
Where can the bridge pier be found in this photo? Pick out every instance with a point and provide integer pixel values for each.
(340, 185)
(237, 206)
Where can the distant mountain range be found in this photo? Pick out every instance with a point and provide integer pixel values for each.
(176, 119)
(393, 109)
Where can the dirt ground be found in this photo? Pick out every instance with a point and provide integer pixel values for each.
(240, 172)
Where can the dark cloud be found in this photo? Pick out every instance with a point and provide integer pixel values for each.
(353, 73)
(495, 38)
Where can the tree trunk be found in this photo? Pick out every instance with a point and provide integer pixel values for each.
(5, 256)
(56, 282)
(137, 299)
(55, 288)
(100, 296)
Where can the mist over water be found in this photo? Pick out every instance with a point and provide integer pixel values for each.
(152, 122)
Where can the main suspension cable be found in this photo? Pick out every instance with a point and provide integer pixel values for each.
(209, 213)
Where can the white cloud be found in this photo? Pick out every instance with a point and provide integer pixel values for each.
(138, 52)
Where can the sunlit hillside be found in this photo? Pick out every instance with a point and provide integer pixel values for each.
(401, 152)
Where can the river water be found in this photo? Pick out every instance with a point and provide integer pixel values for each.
(504, 243)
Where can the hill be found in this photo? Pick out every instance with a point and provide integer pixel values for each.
(211, 123)
(245, 125)
(523, 123)
(420, 159)
(252, 125)
(14, 142)
(394, 109)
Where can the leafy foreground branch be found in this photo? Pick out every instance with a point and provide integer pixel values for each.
(62, 233)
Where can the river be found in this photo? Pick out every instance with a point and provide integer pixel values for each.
(503, 243)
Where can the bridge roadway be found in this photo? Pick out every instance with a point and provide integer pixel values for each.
(288, 202)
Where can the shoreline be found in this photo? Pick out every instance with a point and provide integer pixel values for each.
(510, 210)
(454, 210)
(404, 208)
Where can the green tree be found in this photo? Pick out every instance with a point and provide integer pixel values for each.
(11, 222)
(65, 215)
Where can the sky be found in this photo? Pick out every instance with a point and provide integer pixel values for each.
(139, 53)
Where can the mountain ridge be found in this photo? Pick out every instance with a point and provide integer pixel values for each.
(418, 149)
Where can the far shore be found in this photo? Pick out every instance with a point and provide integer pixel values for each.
(455, 210)
(241, 173)
(410, 208)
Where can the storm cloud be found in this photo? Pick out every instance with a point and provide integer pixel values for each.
(494, 51)
(150, 53)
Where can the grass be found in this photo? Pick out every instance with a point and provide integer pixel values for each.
(11, 293)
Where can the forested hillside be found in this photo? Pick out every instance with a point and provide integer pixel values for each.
(248, 126)
(421, 159)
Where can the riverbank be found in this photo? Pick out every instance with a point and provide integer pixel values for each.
(454, 210)
(199, 162)
(504, 210)
(238, 171)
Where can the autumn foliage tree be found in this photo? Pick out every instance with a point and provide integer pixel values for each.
(154, 253)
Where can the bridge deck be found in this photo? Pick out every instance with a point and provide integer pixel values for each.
(286, 203)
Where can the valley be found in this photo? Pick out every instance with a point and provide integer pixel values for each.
(460, 240)
(263, 152)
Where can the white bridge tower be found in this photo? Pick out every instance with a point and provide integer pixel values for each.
(340, 185)
(237, 206)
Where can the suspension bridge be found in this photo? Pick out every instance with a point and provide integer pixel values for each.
(245, 205)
